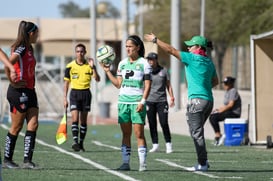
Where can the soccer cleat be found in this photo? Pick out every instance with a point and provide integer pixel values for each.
(29, 165)
(81, 148)
(124, 167)
(10, 164)
(198, 167)
(169, 148)
(142, 167)
(76, 147)
(155, 148)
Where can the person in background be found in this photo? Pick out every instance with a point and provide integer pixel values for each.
(22, 96)
(134, 81)
(12, 77)
(79, 73)
(201, 78)
(231, 109)
(157, 103)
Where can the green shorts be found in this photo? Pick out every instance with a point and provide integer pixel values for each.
(127, 113)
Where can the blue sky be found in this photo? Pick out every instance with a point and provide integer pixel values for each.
(41, 8)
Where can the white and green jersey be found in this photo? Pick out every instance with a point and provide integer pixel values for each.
(133, 76)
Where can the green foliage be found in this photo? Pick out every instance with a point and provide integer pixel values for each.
(232, 22)
(72, 10)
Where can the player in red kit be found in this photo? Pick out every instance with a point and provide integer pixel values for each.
(22, 96)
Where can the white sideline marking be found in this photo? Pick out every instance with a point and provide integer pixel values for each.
(121, 175)
(197, 172)
(108, 146)
(170, 163)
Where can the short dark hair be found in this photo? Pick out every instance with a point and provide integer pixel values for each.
(81, 45)
(229, 80)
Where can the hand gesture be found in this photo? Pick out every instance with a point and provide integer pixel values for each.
(149, 37)
(91, 62)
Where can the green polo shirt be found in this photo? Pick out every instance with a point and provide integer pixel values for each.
(200, 71)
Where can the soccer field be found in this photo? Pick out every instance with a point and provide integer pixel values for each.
(102, 157)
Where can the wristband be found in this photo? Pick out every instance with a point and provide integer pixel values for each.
(143, 101)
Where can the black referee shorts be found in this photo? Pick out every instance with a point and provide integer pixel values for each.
(80, 100)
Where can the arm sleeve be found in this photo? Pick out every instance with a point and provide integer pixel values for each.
(147, 71)
(67, 73)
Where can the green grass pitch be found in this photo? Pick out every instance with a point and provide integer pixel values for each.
(102, 157)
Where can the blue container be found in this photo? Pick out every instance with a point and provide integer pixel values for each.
(235, 130)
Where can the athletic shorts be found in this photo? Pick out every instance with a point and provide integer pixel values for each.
(80, 100)
(127, 113)
(21, 99)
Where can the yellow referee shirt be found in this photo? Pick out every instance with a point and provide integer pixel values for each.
(79, 76)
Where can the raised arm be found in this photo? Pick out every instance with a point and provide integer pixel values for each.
(164, 46)
(96, 75)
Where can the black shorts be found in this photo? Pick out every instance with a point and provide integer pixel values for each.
(21, 99)
(80, 100)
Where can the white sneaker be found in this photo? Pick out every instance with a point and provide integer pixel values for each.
(221, 140)
(169, 148)
(155, 148)
(199, 167)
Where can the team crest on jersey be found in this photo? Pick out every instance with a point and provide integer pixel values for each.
(138, 67)
(75, 76)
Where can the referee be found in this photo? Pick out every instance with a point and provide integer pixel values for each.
(79, 73)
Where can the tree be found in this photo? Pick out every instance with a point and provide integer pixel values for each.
(228, 22)
(231, 22)
(157, 20)
(72, 9)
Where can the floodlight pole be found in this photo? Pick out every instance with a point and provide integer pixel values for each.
(202, 22)
(175, 42)
(124, 18)
(93, 43)
(102, 9)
